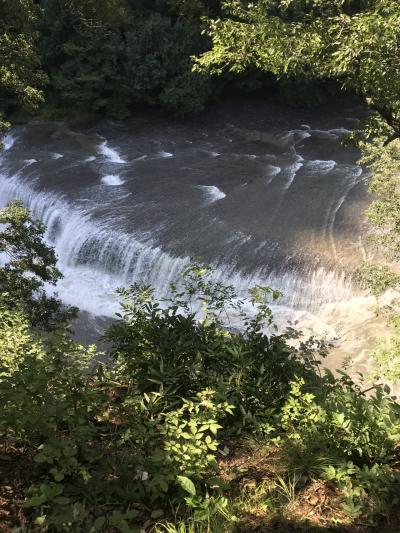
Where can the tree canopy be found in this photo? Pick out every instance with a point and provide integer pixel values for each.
(353, 42)
(21, 77)
(108, 57)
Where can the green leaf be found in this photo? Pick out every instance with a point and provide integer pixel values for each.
(35, 501)
(99, 522)
(62, 500)
(187, 485)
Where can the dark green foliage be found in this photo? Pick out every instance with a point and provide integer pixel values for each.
(107, 57)
(21, 78)
(30, 264)
(159, 71)
(112, 445)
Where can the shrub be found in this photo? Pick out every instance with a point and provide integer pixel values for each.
(180, 346)
(343, 422)
(113, 444)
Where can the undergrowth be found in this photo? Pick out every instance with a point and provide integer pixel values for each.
(188, 426)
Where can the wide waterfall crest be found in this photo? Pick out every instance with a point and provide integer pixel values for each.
(113, 225)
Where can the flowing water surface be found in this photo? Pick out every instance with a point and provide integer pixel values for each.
(266, 193)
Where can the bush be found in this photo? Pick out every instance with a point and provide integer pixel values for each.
(164, 347)
(343, 422)
(113, 444)
(92, 438)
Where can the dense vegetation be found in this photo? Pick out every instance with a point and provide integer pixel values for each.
(102, 57)
(21, 77)
(184, 425)
(163, 433)
(110, 56)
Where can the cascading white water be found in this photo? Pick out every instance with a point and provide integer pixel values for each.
(96, 260)
(112, 180)
(110, 154)
(213, 194)
(112, 227)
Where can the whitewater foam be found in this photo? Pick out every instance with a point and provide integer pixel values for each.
(292, 171)
(300, 135)
(319, 166)
(340, 131)
(332, 134)
(110, 154)
(8, 142)
(273, 171)
(112, 180)
(213, 193)
(248, 156)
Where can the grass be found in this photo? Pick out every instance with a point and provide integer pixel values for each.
(268, 495)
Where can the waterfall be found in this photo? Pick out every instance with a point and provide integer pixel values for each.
(96, 259)
(97, 254)
(92, 256)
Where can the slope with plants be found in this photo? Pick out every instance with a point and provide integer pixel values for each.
(156, 437)
(189, 426)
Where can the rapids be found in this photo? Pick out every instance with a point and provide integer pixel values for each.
(265, 193)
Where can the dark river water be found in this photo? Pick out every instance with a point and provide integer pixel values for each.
(266, 193)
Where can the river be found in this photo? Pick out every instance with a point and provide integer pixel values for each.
(266, 193)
